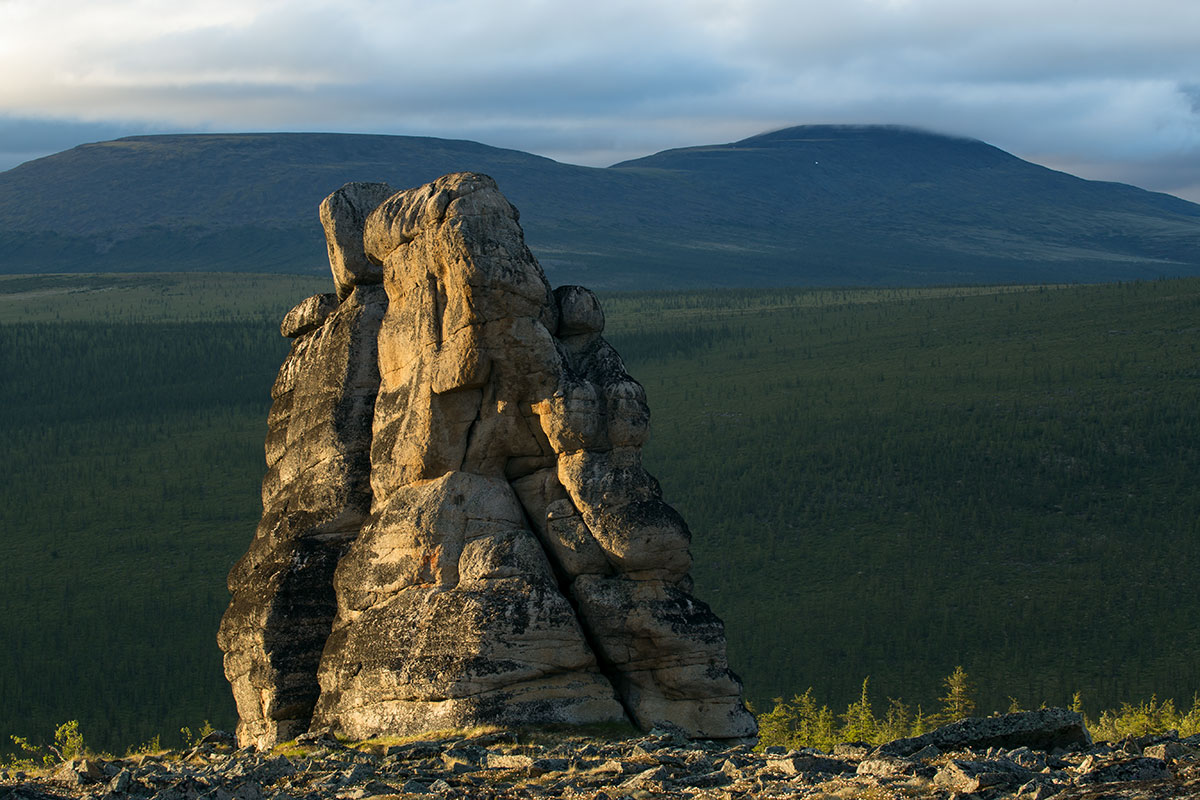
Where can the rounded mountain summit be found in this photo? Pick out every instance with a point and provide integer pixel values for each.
(809, 205)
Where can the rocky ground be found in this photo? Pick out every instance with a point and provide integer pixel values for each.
(504, 764)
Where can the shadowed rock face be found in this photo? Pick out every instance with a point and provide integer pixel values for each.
(510, 561)
(316, 495)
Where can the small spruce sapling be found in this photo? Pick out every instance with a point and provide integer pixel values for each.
(859, 723)
(958, 702)
(897, 722)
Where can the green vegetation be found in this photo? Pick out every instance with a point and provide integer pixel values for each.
(163, 297)
(68, 744)
(959, 699)
(879, 482)
(68, 741)
(132, 464)
(1146, 718)
(794, 724)
(188, 738)
(801, 722)
(893, 482)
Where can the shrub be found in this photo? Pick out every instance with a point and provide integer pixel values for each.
(1146, 718)
(68, 741)
(797, 723)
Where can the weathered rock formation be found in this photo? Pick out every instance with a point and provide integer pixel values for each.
(457, 527)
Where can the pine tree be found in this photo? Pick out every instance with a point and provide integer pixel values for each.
(897, 722)
(958, 701)
(798, 723)
(859, 723)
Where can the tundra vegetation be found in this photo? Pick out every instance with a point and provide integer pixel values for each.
(882, 482)
(796, 723)
(801, 722)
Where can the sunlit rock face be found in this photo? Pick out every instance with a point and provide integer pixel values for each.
(500, 556)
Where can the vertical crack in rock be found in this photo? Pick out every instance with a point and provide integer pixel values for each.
(439, 308)
(564, 576)
(510, 562)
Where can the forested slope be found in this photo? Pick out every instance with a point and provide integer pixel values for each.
(880, 482)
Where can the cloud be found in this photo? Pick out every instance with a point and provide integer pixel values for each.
(30, 135)
(26, 139)
(1191, 91)
(1100, 82)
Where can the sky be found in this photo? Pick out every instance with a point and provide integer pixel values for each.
(1104, 89)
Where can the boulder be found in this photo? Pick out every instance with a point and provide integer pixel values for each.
(309, 315)
(799, 763)
(1045, 729)
(1125, 770)
(343, 215)
(883, 765)
(969, 777)
(1165, 751)
(78, 771)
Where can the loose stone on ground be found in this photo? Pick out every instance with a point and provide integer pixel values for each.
(523, 765)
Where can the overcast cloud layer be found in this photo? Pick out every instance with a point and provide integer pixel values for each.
(1100, 88)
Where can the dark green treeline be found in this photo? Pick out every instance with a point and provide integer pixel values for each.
(892, 483)
(884, 482)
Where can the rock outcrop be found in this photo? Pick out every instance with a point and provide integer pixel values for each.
(1043, 729)
(457, 527)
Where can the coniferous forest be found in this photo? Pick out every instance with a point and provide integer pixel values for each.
(886, 483)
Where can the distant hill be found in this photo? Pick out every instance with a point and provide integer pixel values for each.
(812, 205)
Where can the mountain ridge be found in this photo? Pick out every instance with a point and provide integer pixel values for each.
(804, 205)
